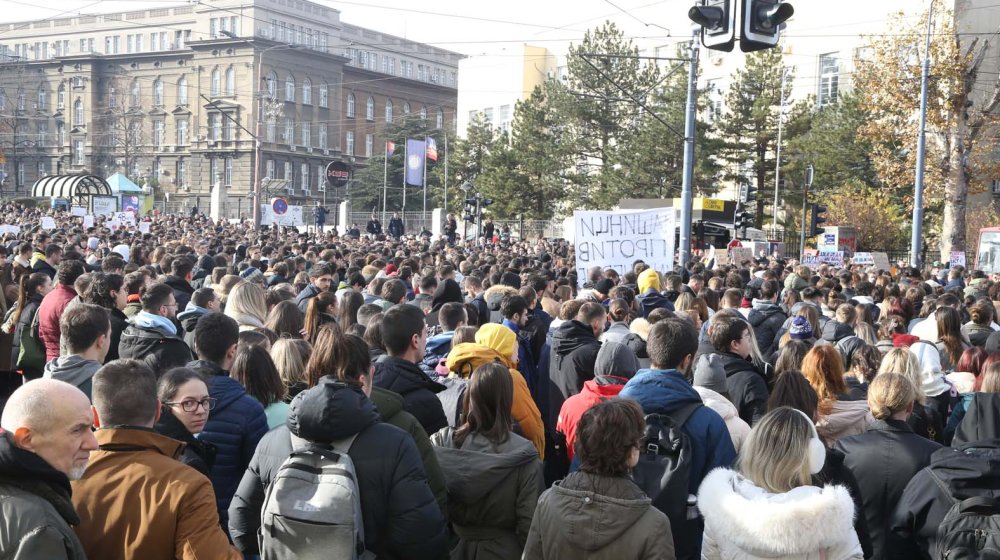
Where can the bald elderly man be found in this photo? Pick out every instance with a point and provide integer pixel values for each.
(46, 442)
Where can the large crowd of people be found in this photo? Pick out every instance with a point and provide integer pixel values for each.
(201, 389)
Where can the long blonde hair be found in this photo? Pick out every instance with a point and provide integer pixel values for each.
(902, 361)
(290, 356)
(247, 300)
(775, 456)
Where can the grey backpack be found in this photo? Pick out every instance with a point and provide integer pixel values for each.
(312, 509)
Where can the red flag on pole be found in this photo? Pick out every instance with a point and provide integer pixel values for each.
(432, 149)
(390, 148)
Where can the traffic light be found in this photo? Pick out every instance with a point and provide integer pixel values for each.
(717, 19)
(749, 193)
(818, 219)
(761, 24)
(470, 210)
(485, 202)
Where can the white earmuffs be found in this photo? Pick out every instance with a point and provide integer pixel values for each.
(817, 451)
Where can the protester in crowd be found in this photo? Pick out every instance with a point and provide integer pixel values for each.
(247, 305)
(404, 334)
(254, 369)
(18, 322)
(54, 303)
(925, 420)
(180, 277)
(574, 351)
(290, 357)
(732, 340)
(152, 336)
(839, 415)
(135, 499)
(86, 334)
(450, 316)
(107, 291)
(348, 307)
(767, 317)
(320, 280)
(45, 442)
(238, 420)
(321, 310)
(939, 394)
(186, 405)
(768, 507)
(886, 457)
(46, 263)
(400, 516)
(493, 475)
(864, 364)
(978, 329)
(979, 419)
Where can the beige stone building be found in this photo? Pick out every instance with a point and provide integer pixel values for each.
(182, 99)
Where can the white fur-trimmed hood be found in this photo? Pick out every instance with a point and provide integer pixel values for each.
(762, 524)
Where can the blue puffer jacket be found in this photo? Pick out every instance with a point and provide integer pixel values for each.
(234, 427)
(663, 391)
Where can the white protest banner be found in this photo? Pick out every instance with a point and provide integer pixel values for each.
(144, 227)
(881, 261)
(616, 239)
(738, 255)
(863, 259)
(957, 258)
(291, 218)
(831, 257)
(88, 221)
(10, 229)
(104, 205)
(812, 261)
(125, 218)
(78, 211)
(48, 222)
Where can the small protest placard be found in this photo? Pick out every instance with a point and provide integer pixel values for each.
(739, 255)
(48, 222)
(831, 257)
(957, 258)
(88, 221)
(144, 227)
(863, 259)
(10, 229)
(78, 211)
(812, 261)
(881, 261)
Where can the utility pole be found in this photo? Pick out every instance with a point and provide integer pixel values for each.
(918, 186)
(805, 205)
(687, 185)
(777, 160)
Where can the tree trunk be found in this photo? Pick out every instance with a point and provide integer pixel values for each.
(955, 194)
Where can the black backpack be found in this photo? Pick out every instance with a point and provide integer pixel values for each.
(971, 528)
(664, 469)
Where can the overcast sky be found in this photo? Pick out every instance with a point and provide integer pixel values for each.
(476, 27)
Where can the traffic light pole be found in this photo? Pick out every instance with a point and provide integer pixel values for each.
(687, 186)
(918, 186)
(805, 219)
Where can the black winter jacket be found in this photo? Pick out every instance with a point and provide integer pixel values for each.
(745, 384)
(158, 350)
(883, 460)
(182, 290)
(835, 472)
(418, 391)
(766, 320)
(574, 352)
(969, 471)
(401, 517)
(119, 322)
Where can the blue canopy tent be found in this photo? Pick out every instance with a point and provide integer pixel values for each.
(129, 194)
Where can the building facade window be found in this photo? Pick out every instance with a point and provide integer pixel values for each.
(423, 113)
(214, 127)
(369, 144)
(213, 170)
(307, 95)
(306, 135)
(158, 93)
(350, 105)
(230, 81)
(269, 170)
(158, 133)
(182, 92)
(289, 131)
(216, 87)
(304, 172)
(288, 171)
(43, 134)
(324, 95)
(61, 134)
(272, 85)
(388, 110)
(322, 137)
(78, 156)
(78, 113)
(406, 108)
(829, 79)
(112, 98)
(60, 97)
(271, 129)
(227, 173)
(349, 143)
(290, 88)
(180, 175)
(439, 120)
(370, 108)
(42, 99)
(136, 94)
(182, 131)
(228, 128)
(320, 180)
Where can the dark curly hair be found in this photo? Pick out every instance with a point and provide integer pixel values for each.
(606, 434)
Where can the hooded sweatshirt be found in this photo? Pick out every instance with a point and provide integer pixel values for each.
(73, 369)
(492, 492)
(598, 518)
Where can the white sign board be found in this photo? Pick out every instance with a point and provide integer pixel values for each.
(144, 227)
(812, 261)
(863, 259)
(835, 258)
(10, 229)
(125, 218)
(104, 205)
(881, 261)
(78, 211)
(291, 218)
(957, 258)
(616, 239)
(48, 222)
(88, 221)
(739, 255)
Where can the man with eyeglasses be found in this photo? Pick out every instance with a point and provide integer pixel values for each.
(136, 499)
(152, 336)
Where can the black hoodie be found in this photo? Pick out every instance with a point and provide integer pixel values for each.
(419, 393)
(401, 517)
(574, 352)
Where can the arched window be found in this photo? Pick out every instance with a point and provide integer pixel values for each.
(272, 85)
(350, 105)
(440, 119)
(423, 113)
(406, 108)
(324, 95)
(370, 108)
(307, 93)
(136, 94)
(216, 89)
(230, 81)
(158, 93)
(290, 88)
(182, 91)
(78, 112)
(388, 110)
(43, 98)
